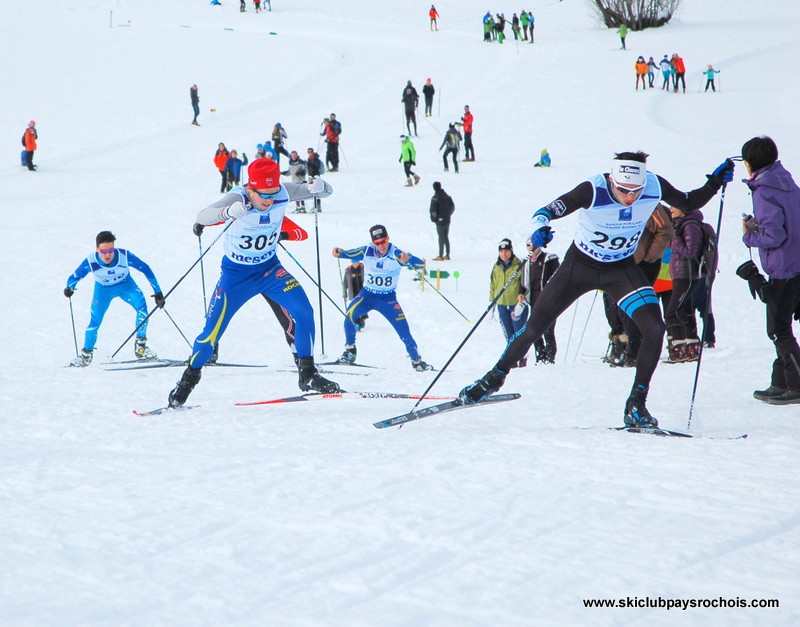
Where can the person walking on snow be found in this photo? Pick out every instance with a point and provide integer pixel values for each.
(251, 266)
(652, 68)
(382, 264)
(428, 90)
(613, 211)
(433, 14)
(410, 100)
(666, 71)
(710, 78)
(451, 143)
(441, 210)
(195, 98)
(622, 31)
(408, 155)
(220, 161)
(110, 267)
(641, 71)
(679, 72)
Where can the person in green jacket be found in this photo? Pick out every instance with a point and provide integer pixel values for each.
(623, 33)
(504, 268)
(408, 155)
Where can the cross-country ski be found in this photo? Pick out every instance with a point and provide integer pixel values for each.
(441, 408)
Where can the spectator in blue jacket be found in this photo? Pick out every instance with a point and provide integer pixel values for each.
(233, 169)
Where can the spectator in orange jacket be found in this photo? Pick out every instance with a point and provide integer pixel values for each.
(29, 141)
(221, 160)
(641, 72)
(678, 72)
(433, 14)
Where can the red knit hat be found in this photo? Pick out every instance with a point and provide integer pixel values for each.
(264, 174)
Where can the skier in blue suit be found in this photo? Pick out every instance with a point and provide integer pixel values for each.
(250, 267)
(382, 264)
(111, 269)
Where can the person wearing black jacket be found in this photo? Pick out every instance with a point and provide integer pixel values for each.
(428, 90)
(442, 207)
(314, 164)
(536, 272)
(410, 100)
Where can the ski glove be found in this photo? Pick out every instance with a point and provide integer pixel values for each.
(235, 211)
(316, 186)
(724, 171)
(68, 292)
(197, 229)
(542, 236)
(159, 298)
(759, 286)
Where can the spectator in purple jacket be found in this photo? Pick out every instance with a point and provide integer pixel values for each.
(774, 229)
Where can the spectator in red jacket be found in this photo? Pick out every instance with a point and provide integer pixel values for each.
(29, 141)
(678, 72)
(466, 119)
(221, 160)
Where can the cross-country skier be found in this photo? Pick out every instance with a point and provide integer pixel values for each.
(613, 211)
(250, 267)
(382, 264)
(110, 267)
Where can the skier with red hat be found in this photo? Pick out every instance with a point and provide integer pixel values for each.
(251, 267)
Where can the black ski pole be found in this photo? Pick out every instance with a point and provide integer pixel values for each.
(464, 341)
(710, 281)
(74, 335)
(317, 207)
(172, 289)
(299, 265)
(589, 315)
(172, 320)
(424, 278)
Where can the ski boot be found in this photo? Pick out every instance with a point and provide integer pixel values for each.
(636, 414)
(348, 356)
(191, 377)
(311, 379)
(215, 355)
(141, 351)
(483, 387)
(83, 359)
(419, 365)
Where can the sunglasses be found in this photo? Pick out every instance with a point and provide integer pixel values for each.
(628, 190)
(107, 251)
(263, 195)
(381, 242)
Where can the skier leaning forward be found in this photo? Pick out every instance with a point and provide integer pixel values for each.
(251, 267)
(614, 209)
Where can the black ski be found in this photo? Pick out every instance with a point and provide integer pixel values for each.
(674, 434)
(341, 363)
(160, 410)
(416, 414)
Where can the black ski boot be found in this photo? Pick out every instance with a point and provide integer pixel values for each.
(419, 365)
(348, 356)
(311, 379)
(636, 414)
(483, 387)
(191, 376)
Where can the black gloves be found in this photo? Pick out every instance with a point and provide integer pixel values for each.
(68, 292)
(759, 286)
(159, 298)
(283, 236)
(723, 173)
(197, 229)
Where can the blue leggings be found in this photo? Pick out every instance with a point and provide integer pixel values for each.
(237, 284)
(386, 305)
(101, 299)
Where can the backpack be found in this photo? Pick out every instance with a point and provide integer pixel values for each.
(709, 257)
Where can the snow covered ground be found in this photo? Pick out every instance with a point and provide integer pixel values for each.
(303, 514)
